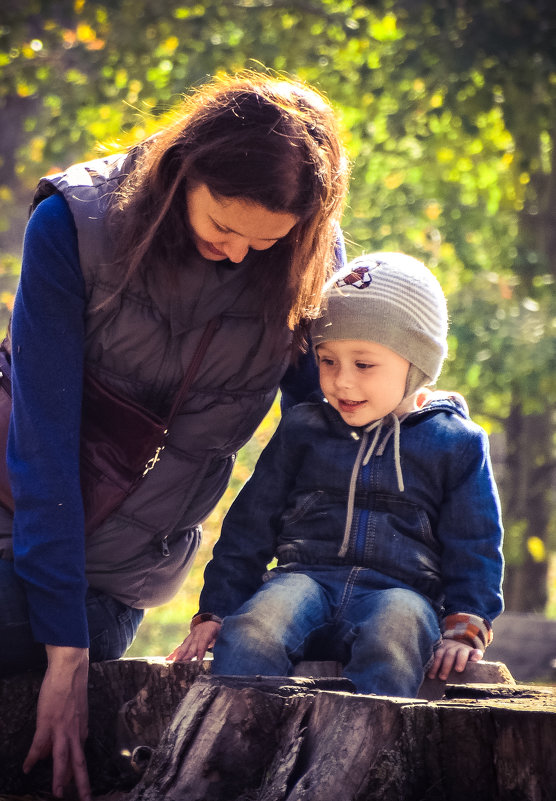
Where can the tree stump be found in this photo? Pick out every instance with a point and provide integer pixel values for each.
(432, 689)
(131, 702)
(290, 740)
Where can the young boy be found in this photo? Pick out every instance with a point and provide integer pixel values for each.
(378, 502)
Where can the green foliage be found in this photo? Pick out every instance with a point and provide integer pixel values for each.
(449, 111)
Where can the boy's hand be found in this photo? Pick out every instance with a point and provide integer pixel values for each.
(202, 637)
(452, 655)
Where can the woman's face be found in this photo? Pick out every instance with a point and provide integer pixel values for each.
(225, 228)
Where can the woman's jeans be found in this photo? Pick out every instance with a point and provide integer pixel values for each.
(112, 626)
(383, 634)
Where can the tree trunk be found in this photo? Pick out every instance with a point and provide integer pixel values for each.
(527, 493)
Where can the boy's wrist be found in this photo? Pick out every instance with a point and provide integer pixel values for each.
(467, 628)
(204, 617)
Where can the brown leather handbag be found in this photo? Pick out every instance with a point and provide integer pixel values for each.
(120, 439)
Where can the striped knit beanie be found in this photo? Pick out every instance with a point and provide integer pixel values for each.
(392, 299)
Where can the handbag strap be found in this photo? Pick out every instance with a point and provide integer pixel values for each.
(195, 363)
(206, 337)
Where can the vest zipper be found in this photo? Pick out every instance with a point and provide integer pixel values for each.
(164, 550)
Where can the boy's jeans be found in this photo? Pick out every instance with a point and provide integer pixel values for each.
(384, 634)
(112, 626)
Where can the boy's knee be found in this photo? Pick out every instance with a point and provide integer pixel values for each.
(404, 617)
(408, 607)
(247, 630)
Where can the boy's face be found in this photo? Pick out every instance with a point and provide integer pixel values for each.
(362, 380)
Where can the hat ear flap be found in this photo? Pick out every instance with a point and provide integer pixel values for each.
(415, 380)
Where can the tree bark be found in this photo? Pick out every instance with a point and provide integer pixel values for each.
(529, 485)
(288, 740)
(293, 739)
(527, 498)
(131, 702)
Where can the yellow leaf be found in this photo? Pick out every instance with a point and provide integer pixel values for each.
(385, 30)
(445, 154)
(171, 43)
(7, 300)
(433, 210)
(36, 148)
(95, 44)
(85, 33)
(69, 38)
(536, 548)
(394, 180)
(23, 89)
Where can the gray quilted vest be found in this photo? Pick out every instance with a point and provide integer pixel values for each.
(141, 342)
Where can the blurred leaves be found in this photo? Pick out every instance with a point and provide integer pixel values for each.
(449, 112)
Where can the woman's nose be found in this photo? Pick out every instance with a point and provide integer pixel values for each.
(236, 249)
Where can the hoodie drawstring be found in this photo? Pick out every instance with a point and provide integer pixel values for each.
(362, 459)
(397, 461)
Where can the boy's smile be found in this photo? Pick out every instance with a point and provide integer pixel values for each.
(362, 380)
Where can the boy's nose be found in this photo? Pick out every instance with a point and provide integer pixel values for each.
(343, 378)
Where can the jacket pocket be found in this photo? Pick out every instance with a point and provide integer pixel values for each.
(427, 532)
(303, 504)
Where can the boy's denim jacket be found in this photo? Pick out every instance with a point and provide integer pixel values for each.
(441, 535)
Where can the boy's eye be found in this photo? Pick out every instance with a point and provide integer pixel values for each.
(324, 360)
(363, 365)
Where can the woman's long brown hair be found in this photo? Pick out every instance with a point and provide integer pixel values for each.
(272, 141)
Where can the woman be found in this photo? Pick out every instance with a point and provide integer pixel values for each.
(229, 214)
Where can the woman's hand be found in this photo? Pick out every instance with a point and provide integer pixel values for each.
(202, 637)
(452, 655)
(62, 720)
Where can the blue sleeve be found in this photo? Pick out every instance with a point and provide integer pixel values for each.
(43, 444)
(247, 542)
(470, 530)
(301, 380)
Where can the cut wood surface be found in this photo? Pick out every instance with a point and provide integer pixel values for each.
(482, 672)
(294, 739)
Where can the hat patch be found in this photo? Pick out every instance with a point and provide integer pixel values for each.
(359, 277)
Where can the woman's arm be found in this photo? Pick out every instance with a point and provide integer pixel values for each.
(43, 460)
(43, 445)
